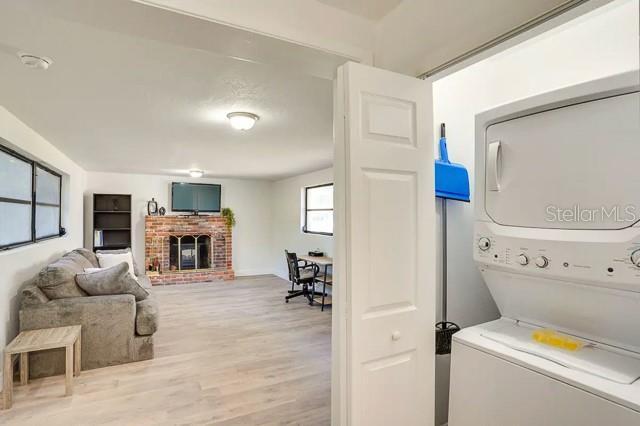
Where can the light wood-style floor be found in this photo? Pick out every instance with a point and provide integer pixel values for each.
(227, 353)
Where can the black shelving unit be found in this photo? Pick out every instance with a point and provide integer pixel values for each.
(111, 221)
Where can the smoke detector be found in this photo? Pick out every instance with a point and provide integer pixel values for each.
(34, 61)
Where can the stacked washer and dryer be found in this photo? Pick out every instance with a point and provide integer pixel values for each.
(557, 240)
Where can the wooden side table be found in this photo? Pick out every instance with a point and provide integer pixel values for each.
(38, 340)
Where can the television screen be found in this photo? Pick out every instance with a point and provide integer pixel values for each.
(191, 197)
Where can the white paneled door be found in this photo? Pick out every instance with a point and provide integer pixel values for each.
(385, 225)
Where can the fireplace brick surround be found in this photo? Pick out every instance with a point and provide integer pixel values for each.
(159, 229)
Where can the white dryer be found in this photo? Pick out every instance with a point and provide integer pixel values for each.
(557, 240)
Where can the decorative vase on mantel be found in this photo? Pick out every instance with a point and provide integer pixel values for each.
(152, 207)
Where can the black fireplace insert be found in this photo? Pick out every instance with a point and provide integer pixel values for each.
(189, 252)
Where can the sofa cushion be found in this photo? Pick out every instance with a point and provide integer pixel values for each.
(89, 255)
(136, 270)
(57, 280)
(78, 259)
(113, 280)
(147, 316)
(144, 281)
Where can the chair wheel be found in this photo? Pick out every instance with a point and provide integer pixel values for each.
(286, 300)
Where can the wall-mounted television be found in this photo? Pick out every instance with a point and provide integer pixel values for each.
(195, 197)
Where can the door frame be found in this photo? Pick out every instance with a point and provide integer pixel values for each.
(339, 329)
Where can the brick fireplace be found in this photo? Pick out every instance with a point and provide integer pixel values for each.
(189, 249)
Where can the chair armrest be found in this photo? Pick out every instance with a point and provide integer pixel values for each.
(313, 266)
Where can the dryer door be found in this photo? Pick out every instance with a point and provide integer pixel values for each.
(575, 167)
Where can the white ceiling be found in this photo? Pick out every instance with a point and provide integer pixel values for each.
(370, 9)
(138, 89)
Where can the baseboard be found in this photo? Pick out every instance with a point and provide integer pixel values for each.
(283, 276)
(252, 272)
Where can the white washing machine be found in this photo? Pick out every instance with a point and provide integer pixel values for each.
(557, 240)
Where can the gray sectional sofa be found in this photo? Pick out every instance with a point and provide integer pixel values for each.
(115, 329)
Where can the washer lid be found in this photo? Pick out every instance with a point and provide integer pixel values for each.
(574, 167)
(594, 358)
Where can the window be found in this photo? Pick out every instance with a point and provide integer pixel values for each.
(30, 200)
(47, 203)
(318, 209)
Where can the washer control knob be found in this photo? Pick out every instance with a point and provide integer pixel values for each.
(484, 244)
(635, 258)
(523, 259)
(542, 262)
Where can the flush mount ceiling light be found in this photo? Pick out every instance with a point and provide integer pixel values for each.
(196, 173)
(34, 61)
(242, 120)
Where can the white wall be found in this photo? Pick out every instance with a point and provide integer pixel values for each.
(302, 21)
(598, 44)
(286, 224)
(268, 214)
(22, 264)
(250, 200)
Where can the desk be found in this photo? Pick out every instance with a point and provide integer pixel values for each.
(323, 262)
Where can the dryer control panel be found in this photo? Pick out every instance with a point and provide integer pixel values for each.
(609, 259)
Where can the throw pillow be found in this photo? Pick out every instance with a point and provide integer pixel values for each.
(107, 260)
(109, 281)
(57, 280)
(136, 269)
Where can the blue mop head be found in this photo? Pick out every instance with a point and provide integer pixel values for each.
(452, 180)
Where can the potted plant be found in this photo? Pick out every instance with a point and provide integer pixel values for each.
(229, 216)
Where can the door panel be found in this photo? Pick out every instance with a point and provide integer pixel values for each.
(391, 231)
(388, 120)
(381, 374)
(388, 239)
(554, 170)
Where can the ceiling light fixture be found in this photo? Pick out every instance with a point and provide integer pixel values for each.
(35, 62)
(242, 120)
(196, 173)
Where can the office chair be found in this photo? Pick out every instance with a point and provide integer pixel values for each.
(301, 273)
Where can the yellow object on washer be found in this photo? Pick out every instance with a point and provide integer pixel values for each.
(557, 340)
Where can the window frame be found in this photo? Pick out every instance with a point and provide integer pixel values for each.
(307, 210)
(34, 166)
(35, 203)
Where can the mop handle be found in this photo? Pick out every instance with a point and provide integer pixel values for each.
(444, 153)
(444, 260)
